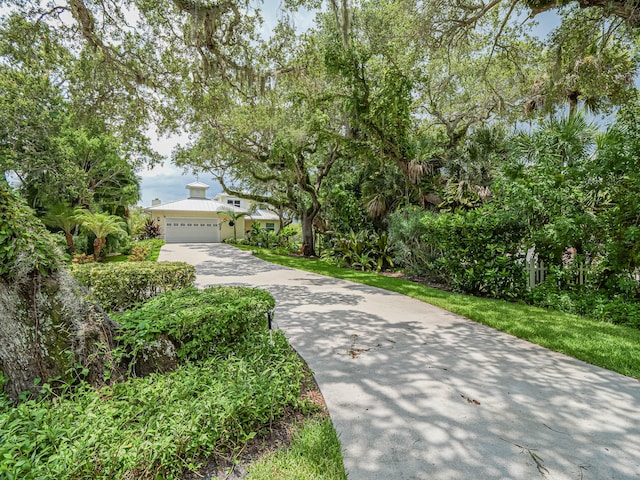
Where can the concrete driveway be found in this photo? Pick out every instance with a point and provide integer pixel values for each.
(416, 392)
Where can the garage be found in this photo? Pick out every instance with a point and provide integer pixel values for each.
(191, 230)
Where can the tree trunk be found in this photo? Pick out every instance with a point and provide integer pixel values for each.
(98, 245)
(308, 238)
(70, 245)
(48, 330)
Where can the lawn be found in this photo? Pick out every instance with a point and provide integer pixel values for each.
(614, 347)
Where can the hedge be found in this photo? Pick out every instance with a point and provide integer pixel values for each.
(119, 286)
(198, 322)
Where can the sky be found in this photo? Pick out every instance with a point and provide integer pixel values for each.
(167, 182)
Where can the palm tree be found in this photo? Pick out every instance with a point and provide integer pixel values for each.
(233, 219)
(101, 225)
(63, 217)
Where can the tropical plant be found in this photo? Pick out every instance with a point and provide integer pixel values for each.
(150, 229)
(63, 217)
(101, 225)
(233, 219)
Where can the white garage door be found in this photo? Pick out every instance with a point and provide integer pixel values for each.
(191, 230)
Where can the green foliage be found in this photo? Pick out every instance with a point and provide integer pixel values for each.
(589, 300)
(153, 246)
(25, 244)
(406, 230)
(153, 427)
(198, 322)
(121, 285)
(478, 251)
(366, 251)
(261, 237)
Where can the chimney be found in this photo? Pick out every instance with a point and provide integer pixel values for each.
(155, 201)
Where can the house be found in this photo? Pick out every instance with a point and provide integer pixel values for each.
(258, 213)
(198, 219)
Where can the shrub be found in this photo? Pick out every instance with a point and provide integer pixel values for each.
(153, 246)
(478, 251)
(138, 254)
(198, 322)
(82, 258)
(405, 232)
(121, 285)
(150, 230)
(587, 301)
(364, 250)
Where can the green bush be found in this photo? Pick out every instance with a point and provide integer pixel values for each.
(366, 251)
(405, 232)
(479, 251)
(586, 301)
(198, 322)
(26, 246)
(155, 427)
(118, 286)
(153, 246)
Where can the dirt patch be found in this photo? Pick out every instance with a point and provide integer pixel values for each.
(274, 437)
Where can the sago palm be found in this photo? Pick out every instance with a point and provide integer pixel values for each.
(101, 225)
(63, 217)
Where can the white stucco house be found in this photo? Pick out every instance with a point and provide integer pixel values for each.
(198, 219)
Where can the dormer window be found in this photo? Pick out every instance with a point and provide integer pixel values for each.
(234, 202)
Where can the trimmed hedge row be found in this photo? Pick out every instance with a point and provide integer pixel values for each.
(119, 286)
(198, 322)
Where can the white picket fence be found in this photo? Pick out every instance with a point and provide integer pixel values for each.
(537, 272)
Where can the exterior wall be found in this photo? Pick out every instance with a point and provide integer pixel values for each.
(226, 231)
(263, 224)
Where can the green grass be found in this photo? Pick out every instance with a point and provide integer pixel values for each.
(614, 347)
(315, 453)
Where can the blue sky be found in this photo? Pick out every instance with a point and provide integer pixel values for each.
(167, 182)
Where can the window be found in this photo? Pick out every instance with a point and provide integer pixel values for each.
(235, 203)
(270, 226)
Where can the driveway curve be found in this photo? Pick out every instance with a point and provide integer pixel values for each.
(416, 392)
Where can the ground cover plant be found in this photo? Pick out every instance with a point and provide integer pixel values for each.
(611, 346)
(232, 382)
(152, 427)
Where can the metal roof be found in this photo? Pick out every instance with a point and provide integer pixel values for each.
(261, 214)
(201, 205)
(197, 185)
